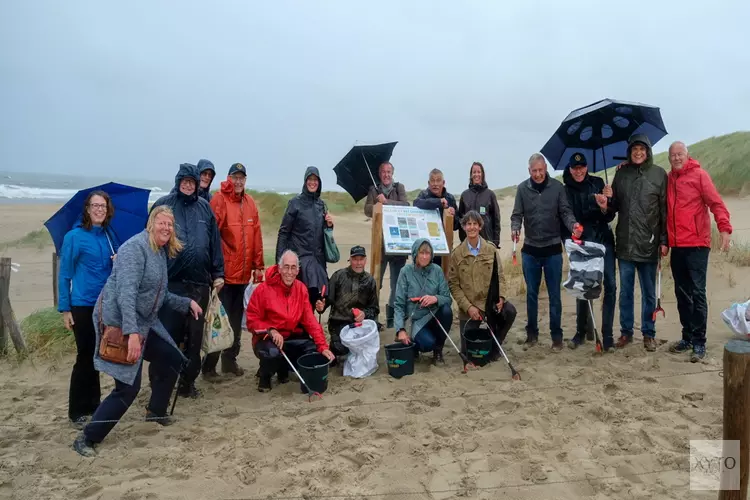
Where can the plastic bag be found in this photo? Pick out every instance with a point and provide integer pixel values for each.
(586, 270)
(363, 343)
(249, 289)
(217, 332)
(736, 318)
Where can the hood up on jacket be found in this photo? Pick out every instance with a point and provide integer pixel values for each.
(308, 172)
(187, 170)
(203, 166)
(415, 249)
(481, 186)
(644, 140)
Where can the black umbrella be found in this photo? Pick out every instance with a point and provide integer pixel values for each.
(600, 132)
(357, 171)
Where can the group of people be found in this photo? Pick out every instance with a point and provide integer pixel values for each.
(156, 285)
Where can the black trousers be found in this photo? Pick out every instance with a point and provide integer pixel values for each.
(233, 299)
(84, 394)
(271, 360)
(186, 331)
(167, 362)
(508, 317)
(689, 268)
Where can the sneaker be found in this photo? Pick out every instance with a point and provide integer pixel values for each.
(623, 341)
(191, 392)
(699, 352)
(576, 341)
(530, 342)
(164, 421)
(680, 346)
(231, 366)
(79, 422)
(84, 447)
(649, 343)
(557, 345)
(211, 376)
(437, 357)
(264, 383)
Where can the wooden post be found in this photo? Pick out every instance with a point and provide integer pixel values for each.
(448, 229)
(376, 244)
(737, 412)
(6, 310)
(55, 277)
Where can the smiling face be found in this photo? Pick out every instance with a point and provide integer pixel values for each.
(579, 172)
(358, 263)
(386, 174)
(288, 268)
(162, 229)
(538, 171)
(187, 186)
(678, 155)
(476, 174)
(97, 210)
(472, 228)
(424, 255)
(206, 178)
(238, 181)
(638, 153)
(312, 183)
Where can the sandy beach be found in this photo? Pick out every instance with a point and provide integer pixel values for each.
(576, 426)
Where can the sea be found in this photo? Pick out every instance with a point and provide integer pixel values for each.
(33, 187)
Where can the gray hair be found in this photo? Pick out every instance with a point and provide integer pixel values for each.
(287, 252)
(678, 143)
(472, 216)
(536, 158)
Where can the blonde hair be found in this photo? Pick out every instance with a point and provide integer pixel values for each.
(173, 246)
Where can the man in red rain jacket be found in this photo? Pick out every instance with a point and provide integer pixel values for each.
(690, 194)
(279, 317)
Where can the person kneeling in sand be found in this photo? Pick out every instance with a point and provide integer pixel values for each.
(349, 288)
(280, 318)
(425, 281)
(470, 279)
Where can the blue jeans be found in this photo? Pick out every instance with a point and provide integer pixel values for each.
(431, 337)
(647, 279)
(609, 300)
(532, 274)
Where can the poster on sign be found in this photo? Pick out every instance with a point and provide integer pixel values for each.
(403, 225)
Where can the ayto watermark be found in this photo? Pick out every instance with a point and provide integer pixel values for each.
(714, 465)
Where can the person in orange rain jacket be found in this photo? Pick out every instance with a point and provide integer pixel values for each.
(242, 244)
(690, 194)
(279, 317)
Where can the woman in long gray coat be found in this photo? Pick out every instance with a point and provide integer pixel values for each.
(131, 299)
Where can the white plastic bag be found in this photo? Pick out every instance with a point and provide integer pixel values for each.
(736, 318)
(249, 289)
(363, 343)
(217, 332)
(586, 269)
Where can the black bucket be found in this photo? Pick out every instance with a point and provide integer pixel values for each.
(400, 359)
(313, 368)
(478, 345)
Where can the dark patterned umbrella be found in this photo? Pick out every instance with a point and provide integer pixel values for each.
(358, 170)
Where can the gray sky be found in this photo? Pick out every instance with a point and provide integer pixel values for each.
(138, 87)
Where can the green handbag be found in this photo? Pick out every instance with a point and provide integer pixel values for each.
(332, 250)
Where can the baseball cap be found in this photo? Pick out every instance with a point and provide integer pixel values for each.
(237, 168)
(357, 251)
(577, 159)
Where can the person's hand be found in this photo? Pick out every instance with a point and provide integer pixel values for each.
(500, 304)
(621, 164)
(320, 306)
(218, 284)
(114, 256)
(452, 211)
(359, 318)
(68, 320)
(329, 220)
(134, 347)
(474, 313)
(664, 250)
(577, 230)
(514, 235)
(195, 309)
(601, 200)
(277, 339)
(328, 354)
(258, 276)
(607, 191)
(381, 199)
(444, 202)
(724, 242)
(403, 337)
(428, 300)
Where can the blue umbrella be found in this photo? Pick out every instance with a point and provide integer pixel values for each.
(600, 131)
(131, 212)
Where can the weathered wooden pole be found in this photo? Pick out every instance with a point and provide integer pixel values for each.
(376, 244)
(4, 291)
(6, 310)
(736, 414)
(448, 229)
(55, 276)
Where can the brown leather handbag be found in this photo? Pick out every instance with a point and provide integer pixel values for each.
(113, 346)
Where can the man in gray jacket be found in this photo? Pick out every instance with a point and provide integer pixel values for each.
(541, 206)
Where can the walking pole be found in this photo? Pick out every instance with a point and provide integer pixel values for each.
(514, 374)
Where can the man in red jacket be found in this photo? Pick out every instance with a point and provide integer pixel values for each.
(279, 317)
(690, 193)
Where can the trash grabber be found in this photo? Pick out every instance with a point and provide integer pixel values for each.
(310, 393)
(323, 298)
(596, 333)
(514, 374)
(658, 296)
(467, 364)
(515, 259)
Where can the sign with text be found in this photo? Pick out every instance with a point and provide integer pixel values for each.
(403, 225)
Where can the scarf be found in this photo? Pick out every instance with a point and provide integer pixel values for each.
(387, 190)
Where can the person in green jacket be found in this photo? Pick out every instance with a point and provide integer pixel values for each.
(425, 280)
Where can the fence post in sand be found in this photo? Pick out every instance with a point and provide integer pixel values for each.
(55, 277)
(7, 316)
(376, 244)
(448, 229)
(737, 413)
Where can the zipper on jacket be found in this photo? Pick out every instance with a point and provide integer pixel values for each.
(242, 219)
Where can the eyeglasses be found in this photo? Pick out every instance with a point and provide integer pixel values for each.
(98, 206)
(289, 269)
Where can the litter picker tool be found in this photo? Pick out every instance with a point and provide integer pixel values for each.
(323, 298)
(310, 394)
(658, 296)
(514, 374)
(596, 332)
(515, 242)
(467, 364)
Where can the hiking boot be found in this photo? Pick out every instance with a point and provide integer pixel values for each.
(557, 345)
(680, 346)
(699, 352)
(190, 391)
(623, 341)
(283, 376)
(79, 422)
(231, 366)
(83, 446)
(649, 343)
(264, 383)
(211, 376)
(164, 421)
(530, 342)
(437, 357)
(576, 341)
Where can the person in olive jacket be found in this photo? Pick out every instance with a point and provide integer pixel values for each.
(590, 208)
(639, 197)
(482, 200)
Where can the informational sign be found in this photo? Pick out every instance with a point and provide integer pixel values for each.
(403, 225)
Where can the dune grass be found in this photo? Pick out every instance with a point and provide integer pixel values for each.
(39, 238)
(45, 334)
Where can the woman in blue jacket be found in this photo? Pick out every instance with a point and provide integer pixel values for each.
(85, 264)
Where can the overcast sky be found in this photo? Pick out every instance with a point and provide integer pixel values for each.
(138, 87)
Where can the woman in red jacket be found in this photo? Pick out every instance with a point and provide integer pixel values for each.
(690, 193)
